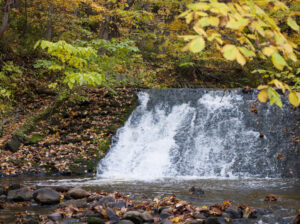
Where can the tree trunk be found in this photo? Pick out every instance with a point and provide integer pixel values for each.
(49, 23)
(5, 17)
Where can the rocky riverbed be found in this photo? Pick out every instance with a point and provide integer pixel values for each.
(66, 204)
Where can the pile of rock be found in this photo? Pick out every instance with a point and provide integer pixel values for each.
(76, 205)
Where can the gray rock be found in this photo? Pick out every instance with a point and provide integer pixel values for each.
(3, 197)
(78, 193)
(55, 216)
(23, 194)
(197, 222)
(112, 215)
(261, 211)
(14, 187)
(234, 213)
(164, 215)
(105, 200)
(134, 216)
(117, 205)
(94, 220)
(2, 190)
(62, 188)
(94, 198)
(199, 216)
(46, 196)
(125, 221)
(215, 220)
(138, 217)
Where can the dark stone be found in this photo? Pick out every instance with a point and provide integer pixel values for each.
(3, 198)
(234, 213)
(215, 220)
(62, 188)
(118, 205)
(55, 216)
(197, 222)
(94, 198)
(79, 203)
(239, 221)
(261, 211)
(78, 193)
(125, 221)
(94, 220)
(133, 216)
(46, 196)
(196, 190)
(14, 144)
(164, 215)
(23, 194)
(199, 216)
(105, 200)
(112, 215)
(31, 221)
(14, 187)
(2, 191)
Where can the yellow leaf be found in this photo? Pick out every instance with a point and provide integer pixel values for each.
(240, 58)
(197, 45)
(278, 61)
(263, 96)
(230, 52)
(294, 99)
(260, 87)
(177, 219)
(268, 51)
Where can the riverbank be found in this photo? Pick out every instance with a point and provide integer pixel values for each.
(71, 141)
(64, 204)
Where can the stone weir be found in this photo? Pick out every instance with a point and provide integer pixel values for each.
(205, 133)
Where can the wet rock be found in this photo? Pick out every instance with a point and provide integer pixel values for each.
(50, 222)
(215, 220)
(234, 213)
(14, 187)
(167, 222)
(124, 221)
(78, 193)
(55, 216)
(199, 216)
(147, 217)
(118, 205)
(79, 203)
(105, 200)
(134, 216)
(46, 196)
(3, 197)
(271, 197)
(261, 212)
(70, 221)
(196, 191)
(2, 191)
(94, 220)
(112, 215)
(23, 194)
(239, 221)
(197, 221)
(62, 188)
(94, 198)
(164, 215)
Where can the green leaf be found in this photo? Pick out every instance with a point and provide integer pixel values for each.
(274, 97)
(278, 61)
(293, 24)
(247, 52)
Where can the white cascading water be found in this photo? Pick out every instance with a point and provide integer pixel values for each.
(201, 137)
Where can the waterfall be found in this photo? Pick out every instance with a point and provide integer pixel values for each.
(203, 133)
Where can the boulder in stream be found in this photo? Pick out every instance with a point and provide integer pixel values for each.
(78, 193)
(22, 194)
(46, 196)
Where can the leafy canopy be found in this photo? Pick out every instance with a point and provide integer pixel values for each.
(244, 30)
